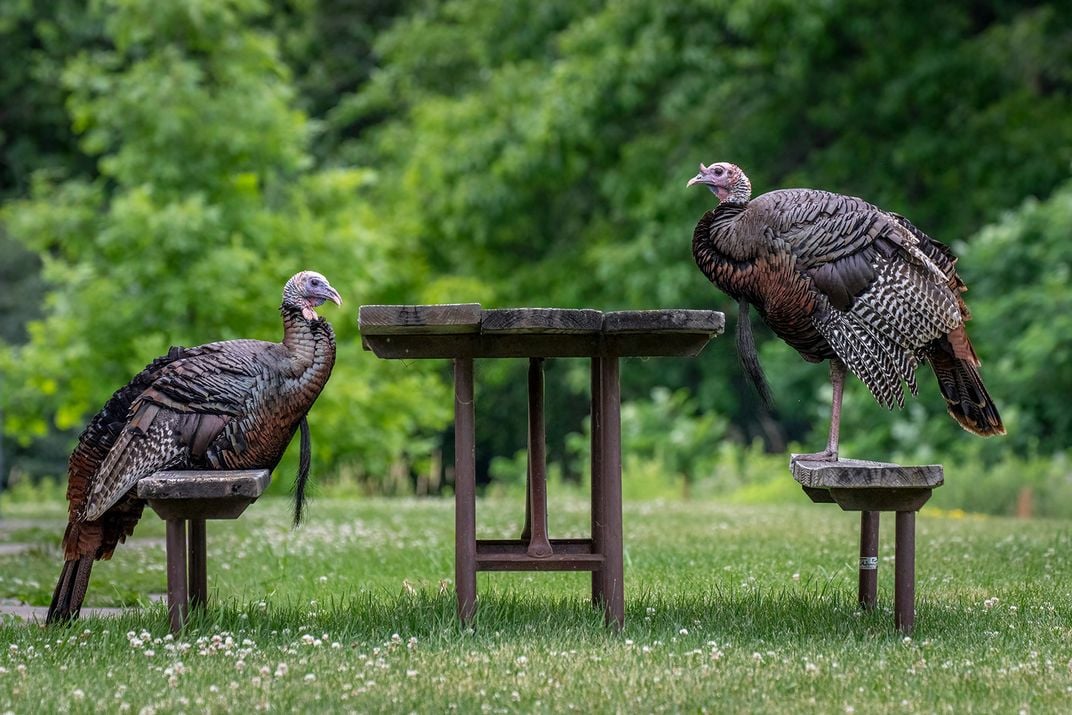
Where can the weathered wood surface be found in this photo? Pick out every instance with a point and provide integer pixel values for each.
(207, 484)
(710, 322)
(408, 319)
(464, 331)
(861, 474)
(541, 320)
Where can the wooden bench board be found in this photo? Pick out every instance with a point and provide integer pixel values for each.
(204, 484)
(862, 474)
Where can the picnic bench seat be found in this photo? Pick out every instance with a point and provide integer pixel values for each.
(871, 488)
(463, 332)
(185, 499)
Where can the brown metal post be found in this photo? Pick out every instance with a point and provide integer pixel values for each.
(464, 489)
(539, 546)
(198, 569)
(868, 592)
(175, 545)
(904, 574)
(611, 468)
(597, 478)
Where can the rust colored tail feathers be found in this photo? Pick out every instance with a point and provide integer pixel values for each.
(966, 398)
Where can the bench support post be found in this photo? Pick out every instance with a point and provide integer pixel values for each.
(868, 591)
(198, 566)
(904, 577)
(178, 597)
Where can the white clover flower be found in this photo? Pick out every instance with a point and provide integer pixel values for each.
(78, 694)
(310, 677)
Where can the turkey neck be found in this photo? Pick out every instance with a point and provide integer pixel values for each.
(310, 344)
(723, 251)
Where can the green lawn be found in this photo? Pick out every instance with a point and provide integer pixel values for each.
(729, 609)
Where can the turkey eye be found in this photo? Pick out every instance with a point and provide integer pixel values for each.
(718, 172)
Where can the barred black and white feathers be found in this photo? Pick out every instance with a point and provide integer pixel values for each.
(839, 278)
(226, 405)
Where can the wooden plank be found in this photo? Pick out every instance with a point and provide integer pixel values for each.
(710, 322)
(409, 319)
(541, 320)
(861, 474)
(204, 484)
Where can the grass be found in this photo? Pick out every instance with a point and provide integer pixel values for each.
(730, 608)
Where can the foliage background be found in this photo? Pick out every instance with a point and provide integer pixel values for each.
(166, 166)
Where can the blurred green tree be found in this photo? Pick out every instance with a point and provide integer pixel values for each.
(205, 203)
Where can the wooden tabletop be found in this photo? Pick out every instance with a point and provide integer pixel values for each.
(467, 330)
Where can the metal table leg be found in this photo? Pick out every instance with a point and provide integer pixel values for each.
(868, 591)
(597, 479)
(611, 492)
(539, 546)
(464, 489)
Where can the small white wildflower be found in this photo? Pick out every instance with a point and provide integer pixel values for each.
(310, 677)
(78, 694)
(323, 579)
(521, 661)
(758, 657)
(683, 632)
(411, 673)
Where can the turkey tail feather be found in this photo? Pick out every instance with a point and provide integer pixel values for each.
(70, 590)
(300, 481)
(746, 352)
(966, 397)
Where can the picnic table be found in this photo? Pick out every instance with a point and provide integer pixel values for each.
(464, 332)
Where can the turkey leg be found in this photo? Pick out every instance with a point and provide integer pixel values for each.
(837, 383)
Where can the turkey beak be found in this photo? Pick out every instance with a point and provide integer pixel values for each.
(700, 178)
(333, 296)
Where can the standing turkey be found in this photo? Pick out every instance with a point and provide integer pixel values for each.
(842, 280)
(227, 405)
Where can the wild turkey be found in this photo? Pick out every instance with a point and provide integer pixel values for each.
(227, 405)
(842, 280)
